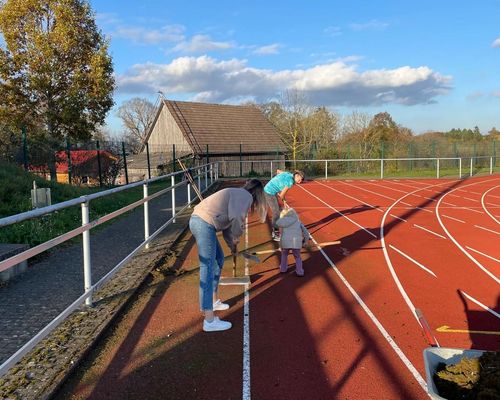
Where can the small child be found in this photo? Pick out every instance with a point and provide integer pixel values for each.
(293, 236)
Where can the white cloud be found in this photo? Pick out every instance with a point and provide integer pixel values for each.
(496, 93)
(372, 25)
(266, 50)
(337, 83)
(168, 33)
(475, 96)
(496, 43)
(332, 31)
(200, 44)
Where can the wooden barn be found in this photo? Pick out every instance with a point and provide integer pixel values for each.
(238, 135)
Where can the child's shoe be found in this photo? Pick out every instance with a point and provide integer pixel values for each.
(216, 325)
(220, 306)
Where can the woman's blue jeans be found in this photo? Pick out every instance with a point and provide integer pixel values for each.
(211, 259)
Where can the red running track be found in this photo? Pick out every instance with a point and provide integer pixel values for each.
(347, 330)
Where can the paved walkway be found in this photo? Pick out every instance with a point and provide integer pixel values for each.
(31, 300)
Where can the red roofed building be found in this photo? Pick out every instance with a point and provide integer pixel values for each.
(84, 167)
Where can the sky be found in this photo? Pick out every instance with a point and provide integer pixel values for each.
(433, 65)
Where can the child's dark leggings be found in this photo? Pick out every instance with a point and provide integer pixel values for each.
(298, 261)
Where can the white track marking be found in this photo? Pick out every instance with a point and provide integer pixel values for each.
(412, 260)
(454, 195)
(401, 219)
(485, 255)
(345, 216)
(485, 208)
(449, 204)
(428, 230)
(374, 319)
(486, 271)
(481, 304)
(468, 198)
(454, 219)
(246, 330)
(351, 197)
(369, 191)
(424, 209)
(471, 209)
(486, 229)
(406, 204)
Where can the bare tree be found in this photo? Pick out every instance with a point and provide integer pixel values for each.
(137, 116)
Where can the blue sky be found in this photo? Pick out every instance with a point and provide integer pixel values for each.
(433, 65)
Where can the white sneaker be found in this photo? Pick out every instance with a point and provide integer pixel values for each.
(220, 306)
(216, 325)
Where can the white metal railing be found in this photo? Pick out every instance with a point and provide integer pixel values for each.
(210, 173)
(265, 167)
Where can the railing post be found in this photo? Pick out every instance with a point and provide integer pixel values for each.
(173, 197)
(198, 172)
(146, 213)
(460, 168)
(382, 168)
(437, 168)
(206, 177)
(211, 174)
(491, 165)
(87, 264)
(326, 169)
(189, 193)
(470, 167)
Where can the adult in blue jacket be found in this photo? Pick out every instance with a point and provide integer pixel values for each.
(276, 189)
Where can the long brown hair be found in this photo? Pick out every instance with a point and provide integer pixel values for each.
(259, 205)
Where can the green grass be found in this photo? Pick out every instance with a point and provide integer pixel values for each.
(15, 197)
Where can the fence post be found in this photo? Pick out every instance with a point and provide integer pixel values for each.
(189, 193)
(148, 160)
(68, 152)
(146, 213)
(491, 165)
(206, 176)
(494, 153)
(326, 169)
(173, 157)
(25, 147)
(437, 168)
(460, 168)
(173, 197)
(87, 264)
(381, 168)
(241, 161)
(125, 162)
(470, 166)
(98, 148)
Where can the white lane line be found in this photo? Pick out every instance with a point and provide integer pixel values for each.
(246, 330)
(412, 260)
(486, 229)
(345, 216)
(449, 204)
(468, 198)
(374, 319)
(395, 216)
(485, 270)
(454, 195)
(481, 304)
(428, 230)
(424, 209)
(454, 219)
(406, 204)
(351, 197)
(369, 191)
(486, 208)
(470, 209)
(476, 193)
(486, 255)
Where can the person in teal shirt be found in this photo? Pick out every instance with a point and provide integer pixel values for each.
(277, 188)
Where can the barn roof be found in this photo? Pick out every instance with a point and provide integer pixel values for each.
(224, 127)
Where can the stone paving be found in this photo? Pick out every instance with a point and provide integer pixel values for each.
(31, 300)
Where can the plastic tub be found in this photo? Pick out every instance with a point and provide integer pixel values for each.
(435, 355)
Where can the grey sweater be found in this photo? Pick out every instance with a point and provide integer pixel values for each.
(226, 210)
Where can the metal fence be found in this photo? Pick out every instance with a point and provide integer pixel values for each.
(207, 173)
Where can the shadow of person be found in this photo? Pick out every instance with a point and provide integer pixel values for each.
(483, 326)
